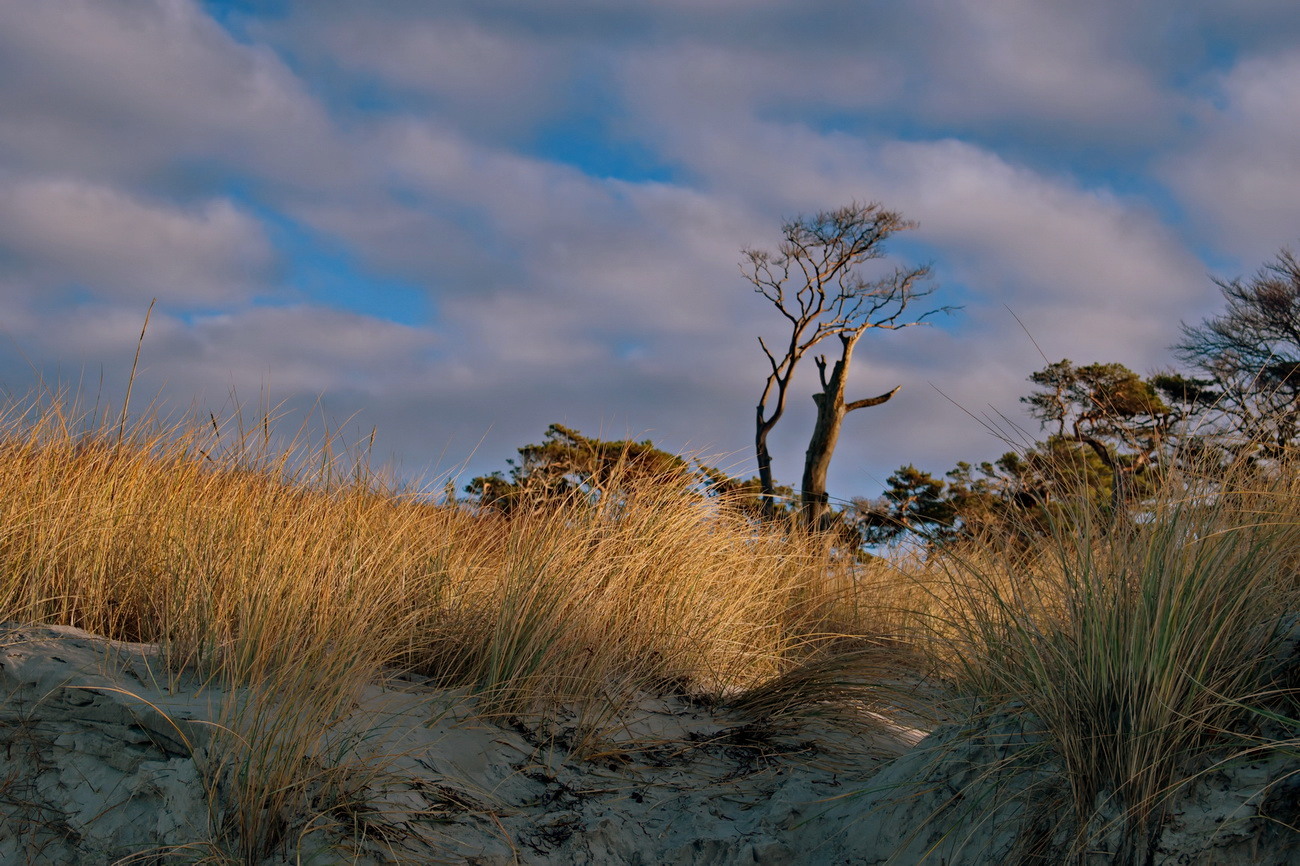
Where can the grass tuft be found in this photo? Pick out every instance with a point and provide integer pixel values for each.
(1139, 647)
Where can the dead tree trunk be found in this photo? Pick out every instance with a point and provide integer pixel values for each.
(814, 282)
(831, 409)
(766, 482)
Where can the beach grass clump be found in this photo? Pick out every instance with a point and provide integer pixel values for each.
(1140, 645)
(290, 578)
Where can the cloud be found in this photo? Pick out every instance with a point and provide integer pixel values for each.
(604, 254)
(148, 90)
(62, 234)
(1093, 276)
(1240, 174)
(492, 80)
(148, 150)
(292, 351)
(1102, 272)
(713, 84)
(1067, 70)
(1072, 255)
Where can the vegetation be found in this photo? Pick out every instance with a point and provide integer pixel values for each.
(300, 578)
(568, 465)
(1139, 648)
(1112, 438)
(816, 282)
(1251, 355)
(596, 572)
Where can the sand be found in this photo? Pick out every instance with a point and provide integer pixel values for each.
(106, 758)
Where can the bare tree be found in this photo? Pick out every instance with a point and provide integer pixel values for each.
(814, 280)
(1251, 352)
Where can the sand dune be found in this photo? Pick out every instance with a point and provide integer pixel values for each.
(107, 758)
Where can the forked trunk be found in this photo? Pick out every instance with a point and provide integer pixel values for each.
(831, 409)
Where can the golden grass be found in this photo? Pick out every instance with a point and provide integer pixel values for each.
(295, 584)
(298, 589)
(1138, 647)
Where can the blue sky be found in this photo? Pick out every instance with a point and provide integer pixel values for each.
(461, 221)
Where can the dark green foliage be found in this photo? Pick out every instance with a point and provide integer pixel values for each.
(1015, 497)
(915, 502)
(1106, 403)
(1113, 435)
(1110, 433)
(747, 494)
(1131, 424)
(1188, 391)
(567, 463)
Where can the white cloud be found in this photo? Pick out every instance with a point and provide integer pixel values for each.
(1093, 276)
(139, 88)
(560, 294)
(1240, 174)
(1066, 254)
(64, 233)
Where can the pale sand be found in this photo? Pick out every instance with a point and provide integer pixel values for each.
(102, 757)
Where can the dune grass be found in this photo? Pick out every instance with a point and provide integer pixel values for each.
(295, 578)
(1139, 645)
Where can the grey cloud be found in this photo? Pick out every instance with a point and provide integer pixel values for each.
(145, 89)
(435, 245)
(710, 83)
(1092, 275)
(1066, 73)
(298, 350)
(1050, 236)
(597, 249)
(1071, 69)
(1022, 237)
(493, 81)
(308, 349)
(1240, 174)
(561, 296)
(61, 233)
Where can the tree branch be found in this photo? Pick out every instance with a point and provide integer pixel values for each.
(871, 401)
(820, 361)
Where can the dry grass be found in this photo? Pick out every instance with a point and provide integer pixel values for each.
(265, 573)
(1138, 647)
(296, 579)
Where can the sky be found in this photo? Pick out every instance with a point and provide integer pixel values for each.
(458, 221)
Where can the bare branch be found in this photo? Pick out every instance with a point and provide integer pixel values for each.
(871, 401)
(771, 359)
(831, 297)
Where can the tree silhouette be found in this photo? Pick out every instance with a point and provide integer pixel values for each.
(1251, 353)
(815, 280)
